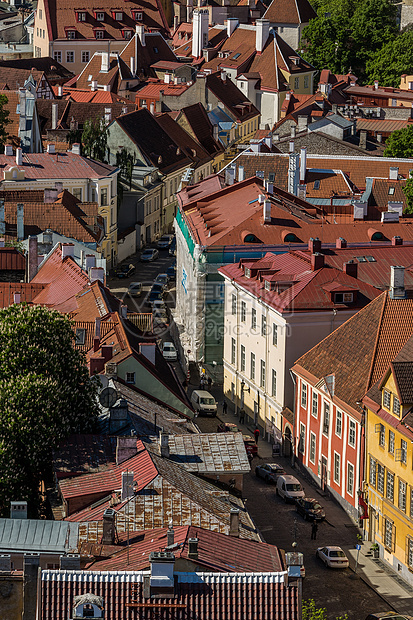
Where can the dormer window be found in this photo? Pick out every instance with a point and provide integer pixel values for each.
(396, 405)
(117, 15)
(71, 33)
(81, 16)
(100, 16)
(127, 34)
(343, 298)
(138, 16)
(99, 34)
(386, 399)
(267, 285)
(247, 272)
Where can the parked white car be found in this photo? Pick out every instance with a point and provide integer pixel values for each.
(289, 488)
(334, 557)
(169, 352)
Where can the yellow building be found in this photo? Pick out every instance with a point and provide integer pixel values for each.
(389, 457)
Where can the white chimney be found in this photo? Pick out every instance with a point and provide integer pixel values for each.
(2, 221)
(376, 84)
(394, 173)
(16, 297)
(8, 149)
(20, 221)
(140, 31)
(76, 148)
(270, 187)
(292, 146)
(397, 290)
(267, 212)
(200, 21)
(303, 163)
(106, 88)
(104, 68)
(262, 31)
(68, 249)
(241, 173)
(293, 173)
(19, 156)
(261, 199)
(55, 108)
(93, 85)
(97, 273)
(164, 444)
(232, 24)
(60, 91)
(152, 108)
(132, 66)
(51, 148)
(223, 76)
(167, 78)
(90, 261)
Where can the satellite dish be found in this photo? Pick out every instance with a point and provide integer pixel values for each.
(108, 397)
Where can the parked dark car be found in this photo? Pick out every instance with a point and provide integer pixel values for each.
(153, 296)
(171, 272)
(125, 271)
(309, 508)
(149, 255)
(269, 471)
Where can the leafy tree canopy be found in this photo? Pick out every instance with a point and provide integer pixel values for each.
(45, 395)
(95, 139)
(347, 32)
(388, 63)
(4, 120)
(312, 612)
(400, 143)
(408, 192)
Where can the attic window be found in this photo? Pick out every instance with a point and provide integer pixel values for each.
(247, 272)
(361, 259)
(391, 191)
(290, 238)
(186, 48)
(99, 34)
(250, 238)
(80, 337)
(137, 15)
(127, 34)
(118, 15)
(271, 177)
(220, 54)
(267, 285)
(259, 174)
(377, 236)
(71, 34)
(81, 16)
(236, 56)
(370, 259)
(317, 184)
(99, 16)
(343, 298)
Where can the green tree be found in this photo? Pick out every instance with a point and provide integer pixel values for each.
(311, 612)
(347, 32)
(45, 395)
(408, 192)
(95, 139)
(392, 60)
(400, 143)
(125, 162)
(4, 121)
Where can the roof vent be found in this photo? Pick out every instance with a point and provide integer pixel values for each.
(18, 510)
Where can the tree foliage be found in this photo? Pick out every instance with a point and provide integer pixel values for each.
(400, 143)
(125, 161)
(392, 60)
(45, 395)
(408, 192)
(346, 33)
(4, 120)
(95, 139)
(312, 612)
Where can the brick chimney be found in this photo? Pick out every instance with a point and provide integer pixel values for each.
(317, 261)
(33, 261)
(341, 243)
(314, 245)
(107, 352)
(397, 240)
(350, 269)
(125, 448)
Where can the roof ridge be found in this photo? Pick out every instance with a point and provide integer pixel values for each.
(385, 299)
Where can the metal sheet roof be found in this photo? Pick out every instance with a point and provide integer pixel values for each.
(37, 536)
(210, 452)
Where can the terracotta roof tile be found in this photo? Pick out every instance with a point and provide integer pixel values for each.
(290, 12)
(11, 260)
(232, 97)
(28, 292)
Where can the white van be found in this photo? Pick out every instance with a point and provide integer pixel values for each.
(203, 402)
(289, 488)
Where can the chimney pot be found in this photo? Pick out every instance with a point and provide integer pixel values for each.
(96, 339)
(108, 536)
(76, 148)
(97, 273)
(19, 156)
(267, 212)
(170, 536)
(8, 149)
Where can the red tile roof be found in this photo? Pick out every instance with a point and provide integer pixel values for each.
(290, 12)
(28, 292)
(110, 480)
(204, 596)
(12, 260)
(153, 88)
(59, 166)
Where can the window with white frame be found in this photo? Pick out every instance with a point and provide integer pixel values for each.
(396, 405)
(314, 405)
(337, 468)
(262, 377)
(390, 486)
(57, 56)
(380, 478)
(313, 440)
(99, 34)
(403, 452)
(409, 550)
(119, 16)
(100, 17)
(252, 370)
(339, 422)
(242, 364)
(233, 304)
(263, 325)
(253, 318)
(85, 56)
(326, 421)
(391, 442)
(301, 445)
(389, 534)
(373, 468)
(275, 335)
(402, 495)
(386, 399)
(382, 436)
(70, 56)
(233, 350)
(304, 395)
(273, 383)
(352, 434)
(243, 311)
(350, 478)
(130, 377)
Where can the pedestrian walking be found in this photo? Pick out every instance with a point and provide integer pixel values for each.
(314, 528)
(209, 383)
(256, 435)
(241, 416)
(224, 407)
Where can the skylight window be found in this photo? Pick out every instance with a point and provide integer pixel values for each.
(370, 259)
(271, 177)
(391, 191)
(236, 56)
(259, 174)
(361, 259)
(317, 184)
